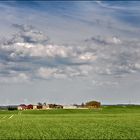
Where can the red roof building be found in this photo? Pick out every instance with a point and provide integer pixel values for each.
(30, 106)
(22, 107)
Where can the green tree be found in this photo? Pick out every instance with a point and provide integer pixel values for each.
(39, 104)
(44, 104)
(93, 104)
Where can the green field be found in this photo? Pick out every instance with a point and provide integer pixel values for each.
(107, 123)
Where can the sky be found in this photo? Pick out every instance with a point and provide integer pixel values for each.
(69, 52)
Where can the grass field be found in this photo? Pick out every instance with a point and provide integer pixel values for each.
(107, 123)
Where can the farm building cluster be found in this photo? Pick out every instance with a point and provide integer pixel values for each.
(91, 104)
(30, 106)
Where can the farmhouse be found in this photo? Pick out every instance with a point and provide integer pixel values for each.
(22, 107)
(34, 106)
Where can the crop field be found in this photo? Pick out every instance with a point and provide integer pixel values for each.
(109, 122)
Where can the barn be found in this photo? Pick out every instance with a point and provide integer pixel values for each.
(30, 106)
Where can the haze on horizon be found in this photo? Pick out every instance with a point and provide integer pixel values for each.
(69, 52)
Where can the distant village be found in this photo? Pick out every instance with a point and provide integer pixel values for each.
(44, 106)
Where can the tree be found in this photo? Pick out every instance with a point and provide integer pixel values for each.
(82, 105)
(52, 105)
(39, 104)
(93, 104)
(12, 108)
(44, 104)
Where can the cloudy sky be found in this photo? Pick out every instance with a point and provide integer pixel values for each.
(69, 52)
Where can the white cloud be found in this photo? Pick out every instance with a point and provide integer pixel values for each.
(137, 65)
(116, 40)
(15, 78)
(46, 72)
(27, 56)
(105, 83)
(88, 56)
(50, 51)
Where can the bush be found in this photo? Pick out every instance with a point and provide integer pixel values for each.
(12, 108)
